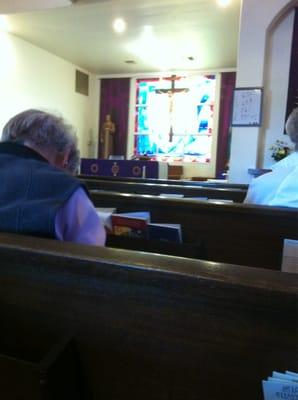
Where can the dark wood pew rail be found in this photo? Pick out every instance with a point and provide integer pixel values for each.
(165, 181)
(233, 233)
(148, 326)
(235, 194)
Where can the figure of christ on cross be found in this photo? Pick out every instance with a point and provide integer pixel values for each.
(171, 92)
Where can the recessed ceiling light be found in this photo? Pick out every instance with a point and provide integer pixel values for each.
(190, 58)
(119, 25)
(223, 3)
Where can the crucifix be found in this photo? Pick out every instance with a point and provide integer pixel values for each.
(171, 92)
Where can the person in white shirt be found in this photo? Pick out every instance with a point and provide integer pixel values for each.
(279, 187)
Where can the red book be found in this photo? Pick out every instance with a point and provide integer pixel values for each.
(131, 224)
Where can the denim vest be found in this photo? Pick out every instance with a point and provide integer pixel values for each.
(31, 191)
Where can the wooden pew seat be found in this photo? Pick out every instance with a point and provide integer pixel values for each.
(148, 326)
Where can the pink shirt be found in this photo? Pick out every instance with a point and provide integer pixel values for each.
(77, 221)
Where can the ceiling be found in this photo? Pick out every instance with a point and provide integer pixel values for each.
(161, 35)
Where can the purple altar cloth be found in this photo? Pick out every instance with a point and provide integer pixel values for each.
(125, 168)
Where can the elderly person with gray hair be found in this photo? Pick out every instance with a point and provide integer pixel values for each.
(39, 196)
(279, 187)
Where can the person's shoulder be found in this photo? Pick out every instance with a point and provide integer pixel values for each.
(262, 178)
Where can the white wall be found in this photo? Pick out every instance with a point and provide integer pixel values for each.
(33, 78)
(11, 6)
(256, 18)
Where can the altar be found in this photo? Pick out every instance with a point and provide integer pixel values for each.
(124, 168)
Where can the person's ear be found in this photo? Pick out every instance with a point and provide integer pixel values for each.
(61, 159)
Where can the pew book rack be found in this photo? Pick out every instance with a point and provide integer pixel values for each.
(234, 233)
(194, 250)
(136, 225)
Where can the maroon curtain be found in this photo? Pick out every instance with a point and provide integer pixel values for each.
(228, 80)
(293, 76)
(114, 100)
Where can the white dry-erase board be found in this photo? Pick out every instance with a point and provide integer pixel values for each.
(247, 107)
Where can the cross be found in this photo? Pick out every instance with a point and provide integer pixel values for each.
(171, 91)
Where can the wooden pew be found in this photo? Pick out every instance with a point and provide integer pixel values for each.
(234, 233)
(145, 326)
(179, 182)
(234, 194)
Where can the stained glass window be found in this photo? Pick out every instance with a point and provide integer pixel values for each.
(174, 118)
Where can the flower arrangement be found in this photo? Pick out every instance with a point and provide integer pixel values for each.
(280, 150)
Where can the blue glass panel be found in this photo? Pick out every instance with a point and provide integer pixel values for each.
(144, 145)
(203, 125)
(142, 119)
(204, 98)
(142, 93)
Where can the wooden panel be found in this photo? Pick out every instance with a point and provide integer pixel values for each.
(175, 171)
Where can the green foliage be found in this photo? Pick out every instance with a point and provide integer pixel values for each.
(280, 150)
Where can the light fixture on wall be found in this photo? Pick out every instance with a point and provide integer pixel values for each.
(119, 25)
(223, 3)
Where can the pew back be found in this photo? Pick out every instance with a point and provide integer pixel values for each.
(149, 326)
(235, 194)
(179, 182)
(234, 233)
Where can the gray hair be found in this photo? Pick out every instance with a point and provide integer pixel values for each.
(44, 131)
(292, 127)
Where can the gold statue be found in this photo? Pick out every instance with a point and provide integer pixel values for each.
(107, 137)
